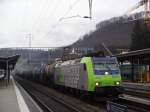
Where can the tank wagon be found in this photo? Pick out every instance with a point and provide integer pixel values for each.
(100, 75)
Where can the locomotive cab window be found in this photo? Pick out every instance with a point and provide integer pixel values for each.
(105, 66)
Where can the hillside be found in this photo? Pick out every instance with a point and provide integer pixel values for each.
(115, 33)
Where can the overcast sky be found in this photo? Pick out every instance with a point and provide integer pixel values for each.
(41, 18)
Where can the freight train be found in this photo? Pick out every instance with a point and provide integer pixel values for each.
(87, 75)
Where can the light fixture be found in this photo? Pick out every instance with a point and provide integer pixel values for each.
(117, 83)
(106, 73)
(97, 83)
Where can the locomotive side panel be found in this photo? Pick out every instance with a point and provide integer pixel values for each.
(73, 76)
(83, 78)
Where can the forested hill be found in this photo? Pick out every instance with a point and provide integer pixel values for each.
(115, 33)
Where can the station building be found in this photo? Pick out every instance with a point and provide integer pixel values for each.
(135, 65)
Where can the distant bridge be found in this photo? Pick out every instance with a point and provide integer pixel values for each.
(32, 48)
(33, 54)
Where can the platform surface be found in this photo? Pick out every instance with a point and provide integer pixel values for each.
(136, 99)
(13, 98)
(8, 98)
(140, 84)
(145, 86)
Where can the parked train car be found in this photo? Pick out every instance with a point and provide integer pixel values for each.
(38, 73)
(48, 77)
(100, 75)
(43, 73)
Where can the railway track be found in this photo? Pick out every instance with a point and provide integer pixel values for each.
(42, 104)
(44, 97)
(49, 103)
(55, 103)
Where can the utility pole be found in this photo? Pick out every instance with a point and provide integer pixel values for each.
(29, 55)
(29, 36)
(90, 8)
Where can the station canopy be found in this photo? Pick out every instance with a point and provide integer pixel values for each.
(141, 55)
(10, 61)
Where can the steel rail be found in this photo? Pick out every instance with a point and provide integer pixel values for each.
(32, 93)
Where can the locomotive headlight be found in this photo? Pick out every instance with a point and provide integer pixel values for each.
(106, 73)
(117, 83)
(97, 84)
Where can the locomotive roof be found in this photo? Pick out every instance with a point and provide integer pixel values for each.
(77, 56)
(76, 61)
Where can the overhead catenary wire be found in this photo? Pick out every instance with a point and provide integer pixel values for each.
(55, 3)
(69, 17)
(70, 9)
(67, 12)
(43, 12)
(26, 7)
(36, 23)
(26, 16)
(59, 20)
(24, 12)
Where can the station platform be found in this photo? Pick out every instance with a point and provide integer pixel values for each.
(13, 98)
(136, 99)
(142, 86)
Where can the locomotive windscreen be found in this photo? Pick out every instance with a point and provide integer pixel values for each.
(105, 66)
